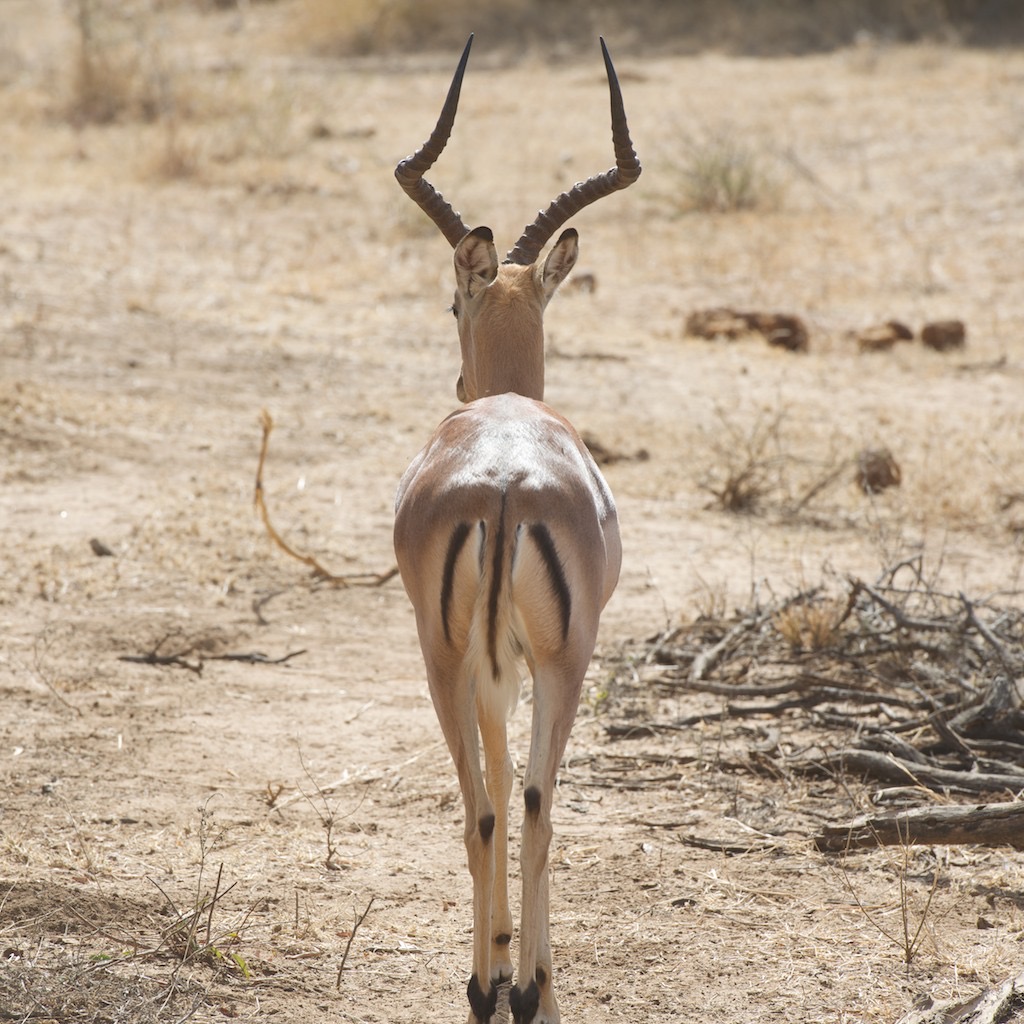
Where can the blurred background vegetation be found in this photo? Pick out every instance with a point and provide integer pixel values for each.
(750, 27)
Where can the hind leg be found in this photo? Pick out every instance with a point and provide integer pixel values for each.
(494, 735)
(453, 695)
(555, 700)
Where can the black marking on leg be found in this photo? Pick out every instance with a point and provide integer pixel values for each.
(532, 797)
(503, 939)
(524, 1004)
(455, 543)
(556, 572)
(497, 566)
(541, 975)
(486, 826)
(483, 1005)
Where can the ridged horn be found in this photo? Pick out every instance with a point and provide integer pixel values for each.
(411, 170)
(568, 204)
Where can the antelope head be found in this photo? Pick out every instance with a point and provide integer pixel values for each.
(499, 307)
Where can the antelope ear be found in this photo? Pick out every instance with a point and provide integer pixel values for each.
(560, 261)
(476, 262)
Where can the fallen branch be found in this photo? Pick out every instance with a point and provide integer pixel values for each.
(977, 824)
(709, 659)
(255, 658)
(928, 686)
(889, 768)
(180, 659)
(359, 579)
(996, 1005)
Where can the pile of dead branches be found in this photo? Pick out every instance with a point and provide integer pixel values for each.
(913, 686)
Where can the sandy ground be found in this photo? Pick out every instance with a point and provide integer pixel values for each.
(147, 320)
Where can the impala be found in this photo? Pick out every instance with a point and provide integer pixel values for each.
(507, 541)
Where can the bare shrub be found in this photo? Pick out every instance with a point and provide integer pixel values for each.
(720, 171)
(753, 468)
(120, 74)
(746, 463)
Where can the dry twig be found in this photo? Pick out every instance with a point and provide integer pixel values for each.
(360, 579)
(925, 684)
(352, 934)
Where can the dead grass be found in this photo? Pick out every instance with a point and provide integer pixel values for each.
(812, 624)
(719, 171)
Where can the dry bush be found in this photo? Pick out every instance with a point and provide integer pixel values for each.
(720, 171)
(754, 468)
(175, 158)
(745, 464)
(120, 74)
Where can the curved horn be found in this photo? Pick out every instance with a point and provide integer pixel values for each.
(568, 204)
(411, 170)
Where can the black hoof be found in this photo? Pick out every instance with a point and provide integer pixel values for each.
(482, 1004)
(524, 1004)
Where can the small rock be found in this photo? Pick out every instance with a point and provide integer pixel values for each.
(944, 335)
(883, 337)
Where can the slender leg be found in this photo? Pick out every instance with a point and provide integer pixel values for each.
(494, 735)
(454, 705)
(555, 700)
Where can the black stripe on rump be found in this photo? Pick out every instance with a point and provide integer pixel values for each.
(492, 604)
(556, 572)
(455, 544)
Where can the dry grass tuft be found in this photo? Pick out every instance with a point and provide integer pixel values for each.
(721, 171)
(811, 625)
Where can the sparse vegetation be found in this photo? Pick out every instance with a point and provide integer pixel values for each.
(719, 171)
(914, 913)
(746, 462)
(756, 467)
(376, 26)
(121, 73)
(110, 78)
(812, 624)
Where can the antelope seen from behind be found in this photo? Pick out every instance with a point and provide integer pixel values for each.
(507, 542)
